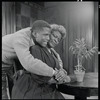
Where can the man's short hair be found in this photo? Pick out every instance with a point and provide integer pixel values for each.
(38, 25)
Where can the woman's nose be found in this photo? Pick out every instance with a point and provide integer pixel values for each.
(48, 38)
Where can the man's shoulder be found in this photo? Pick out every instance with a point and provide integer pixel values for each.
(22, 34)
(27, 28)
(24, 30)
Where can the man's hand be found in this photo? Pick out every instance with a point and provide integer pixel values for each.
(60, 77)
(67, 79)
(60, 74)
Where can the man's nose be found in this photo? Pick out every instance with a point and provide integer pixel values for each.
(48, 37)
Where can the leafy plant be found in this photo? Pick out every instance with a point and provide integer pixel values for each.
(79, 48)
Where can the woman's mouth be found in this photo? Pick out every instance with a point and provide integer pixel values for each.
(53, 43)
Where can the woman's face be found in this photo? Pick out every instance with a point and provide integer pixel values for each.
(55, 38)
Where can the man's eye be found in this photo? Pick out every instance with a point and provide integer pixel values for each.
(46, 34)
(56, 36)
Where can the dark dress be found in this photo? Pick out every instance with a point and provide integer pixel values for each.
(32, 86)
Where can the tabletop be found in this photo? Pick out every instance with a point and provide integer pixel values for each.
(89, 86)
(90, 81)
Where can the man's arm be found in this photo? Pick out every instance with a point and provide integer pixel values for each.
(36, 66)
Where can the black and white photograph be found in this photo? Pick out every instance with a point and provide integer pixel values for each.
(50, 50)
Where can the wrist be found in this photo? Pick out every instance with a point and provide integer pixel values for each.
(54, 72)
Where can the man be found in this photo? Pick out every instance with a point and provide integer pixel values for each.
(17, 46)
(33, 86)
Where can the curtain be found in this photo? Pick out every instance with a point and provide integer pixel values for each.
(8, 18)
(80, 20)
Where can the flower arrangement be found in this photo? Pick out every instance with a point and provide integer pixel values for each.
(79, 48)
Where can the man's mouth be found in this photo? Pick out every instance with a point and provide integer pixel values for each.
(45, 42)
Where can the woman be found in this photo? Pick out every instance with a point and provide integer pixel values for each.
(58, 33)
(32, 86)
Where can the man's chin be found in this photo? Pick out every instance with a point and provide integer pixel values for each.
(44, 45)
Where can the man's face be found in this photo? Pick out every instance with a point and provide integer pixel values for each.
(55, 38)
(42, 37)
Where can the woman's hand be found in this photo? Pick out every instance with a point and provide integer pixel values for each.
(52, 80)
(67, 79)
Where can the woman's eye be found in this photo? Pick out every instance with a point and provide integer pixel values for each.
(56, 36)
(58, 39)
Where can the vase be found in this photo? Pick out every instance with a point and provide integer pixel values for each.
(79, 75)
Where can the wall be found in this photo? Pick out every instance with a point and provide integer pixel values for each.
(78, 18)
(8, 18)
(18, 15)
(27, 13)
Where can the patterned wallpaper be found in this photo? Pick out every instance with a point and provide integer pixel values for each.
(27, 13)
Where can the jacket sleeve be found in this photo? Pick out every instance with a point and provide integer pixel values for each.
(31, 64)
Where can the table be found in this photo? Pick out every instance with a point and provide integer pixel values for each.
(81, 90)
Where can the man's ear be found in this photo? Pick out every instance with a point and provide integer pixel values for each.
(35, 34)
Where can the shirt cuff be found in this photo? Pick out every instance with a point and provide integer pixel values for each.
(54, 72)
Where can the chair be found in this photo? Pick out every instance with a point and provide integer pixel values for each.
(8, 79)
